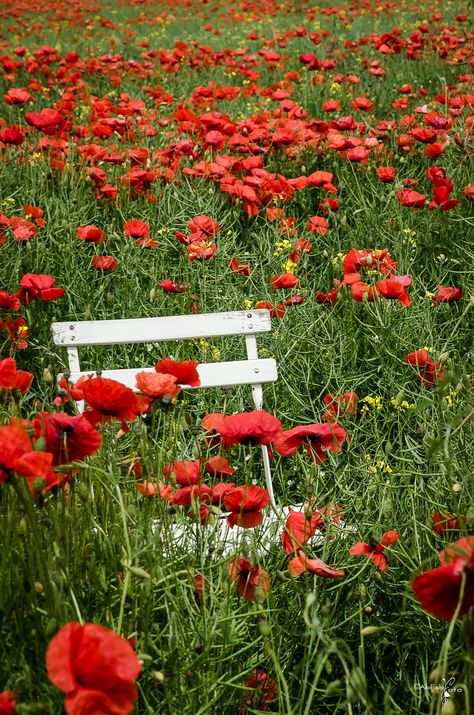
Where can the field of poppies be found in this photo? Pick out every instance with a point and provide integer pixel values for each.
(196, 156)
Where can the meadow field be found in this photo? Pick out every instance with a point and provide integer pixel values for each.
(163, 158)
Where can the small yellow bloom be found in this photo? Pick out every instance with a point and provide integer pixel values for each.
(290, 266)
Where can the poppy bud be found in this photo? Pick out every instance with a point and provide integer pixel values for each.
(152, 295)
(443, 358)
(22, 526)
(38, 587)
(51, 628)
(158, 676)
(38, 485)
(370, 631)
(47, 377)
(368, 610)
(399, 398)
(333, 689)
(264, 628)
(82, 492)
(448, 708)
(139, 572)
(40, 445)
(436, 675)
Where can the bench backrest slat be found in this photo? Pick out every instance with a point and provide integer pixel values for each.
(150, 330)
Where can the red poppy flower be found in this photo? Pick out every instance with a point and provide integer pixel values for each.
(394, 288)
(36, 213)
(439, 590)
(7, 703)
(446, 523)
(299, 528)
(201, 250)
(339, 406)
(156, 385)
(379, 259)
(413, 199)
(262, 690)
(95, 667)
(276, 311)
(245, 269)
(203, 225)
(186, 496)
(184, 372)
(441, 197)
(361, 290)
(170, 287)
(301, 563)
(148, 243)
(386, 173)
(18, 95)
(375, 551)
(285, 280)
(91, 234)
(327, 298)
(68, 438)
(253, 583)
(9, 302)
(48, 120)
(35, 287)
(136, 229)
(315, 439)
(469, 192)
(104, 263)
(184, 473)
(202, 586)
(17, 331)
(18, 455)
(110, 398)
(15, 136)
(13, 379)
(319, 178)
(213, 424)
(294, 300)
(219, 467)
(256, 427)
(318, 225)
(429, 370)
(219, 490)
(447, 295)
(153, 489)
(107, 192)
(23, 230)
(245, 504)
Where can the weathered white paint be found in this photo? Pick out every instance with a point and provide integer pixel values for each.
(150, 330)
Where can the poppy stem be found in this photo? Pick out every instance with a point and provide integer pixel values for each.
(49, 588)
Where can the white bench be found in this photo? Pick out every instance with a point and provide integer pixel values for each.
(252, 371)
